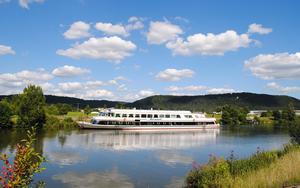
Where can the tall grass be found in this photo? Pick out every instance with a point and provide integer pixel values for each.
(283, 172)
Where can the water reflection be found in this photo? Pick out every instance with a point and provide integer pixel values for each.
(124, 140)
(65, 157)
(174, 157)
(110, 179)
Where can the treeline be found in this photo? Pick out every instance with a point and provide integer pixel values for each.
(234, 116)
(204, 103)
(29, 109)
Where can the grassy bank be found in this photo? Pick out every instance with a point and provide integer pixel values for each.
(263, 169)
(283, 172)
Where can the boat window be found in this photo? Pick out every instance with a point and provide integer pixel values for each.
(161, 115)
(137, 115)
(190, 116)
(178, 116)
(118, 115)
(155, 116)
(112, 114)
(149, 115)
(130, 115)
(124, 115)
(186, 116)
(173, 116)
(144, 116)
(167, 115)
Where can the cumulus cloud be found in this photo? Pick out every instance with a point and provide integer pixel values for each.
(134, 23)
(174, 74)
(177, 90)
(258, 28)
(25, 3)
(78, 30)
(112, 49)
(275, 66)
(186, 88)
(111, 29)
(282, 89)
(161, 32)
(4, 50)
(209, 44)
(67, 71)
(220, 90)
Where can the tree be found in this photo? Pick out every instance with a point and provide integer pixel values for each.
(5, 114)
(234, 116)
(87, 109)
(30, 107)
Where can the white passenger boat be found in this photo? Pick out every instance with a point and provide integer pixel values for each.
(135, 119)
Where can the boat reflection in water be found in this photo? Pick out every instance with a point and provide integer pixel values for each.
(128, 140)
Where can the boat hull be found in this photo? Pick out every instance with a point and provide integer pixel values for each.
(85, 125)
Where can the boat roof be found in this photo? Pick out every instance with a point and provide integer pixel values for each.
(151, 111)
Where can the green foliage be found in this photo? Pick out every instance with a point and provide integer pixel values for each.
(87, 109)
(5, 114)
(58, 109)
(294, 130)
(234, 116)
(214, 174)
(53, 122)
(30, 107)
(223, 173)
(26, 164)
(254, 162)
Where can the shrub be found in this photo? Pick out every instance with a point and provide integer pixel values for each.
(54, 122)
(26, 163)
(254, 162)
(214, 174)
(5, 114)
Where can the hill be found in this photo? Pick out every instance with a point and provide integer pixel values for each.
(195, 103)
(211, 102)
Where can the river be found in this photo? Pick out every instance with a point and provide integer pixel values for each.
(95, 158)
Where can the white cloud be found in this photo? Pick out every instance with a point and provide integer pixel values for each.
(12, 83)
(183, 90)
(112, 49)
(111, 29)
(275, 66)
(186, 88)
(258, 28)
(70, 86)
(161, 32)
(220, 90)
(6, 50)
(135, 23)
(25, 3)
(98, 94)
(281, 89)
(67, 71)
(78, 30)
(174, 74)
(209, 44)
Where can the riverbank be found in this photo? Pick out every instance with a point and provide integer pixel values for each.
(280, 168)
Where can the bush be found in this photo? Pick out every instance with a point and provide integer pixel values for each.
(5, 114)
(54, 122)
(256, 161)
(214, 174)
(26, 163)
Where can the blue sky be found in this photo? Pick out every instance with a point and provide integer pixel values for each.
(127, 50)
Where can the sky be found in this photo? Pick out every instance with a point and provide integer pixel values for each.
(130, 49)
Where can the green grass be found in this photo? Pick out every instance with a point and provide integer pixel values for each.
(283, 172)
(75, 114)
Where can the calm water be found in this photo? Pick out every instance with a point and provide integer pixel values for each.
(94, 158)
